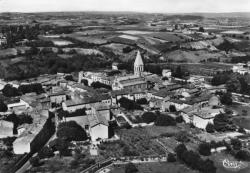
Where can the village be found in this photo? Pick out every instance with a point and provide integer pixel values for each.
(124, 92)
(114, 117)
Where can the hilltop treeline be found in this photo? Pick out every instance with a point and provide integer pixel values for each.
(51, 64)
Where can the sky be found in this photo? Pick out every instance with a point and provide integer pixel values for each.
(162, 6)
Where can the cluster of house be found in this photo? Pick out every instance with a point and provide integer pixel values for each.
(242, 68)
(3, 39)
(196, 104)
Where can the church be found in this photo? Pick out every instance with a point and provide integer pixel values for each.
(132, 82)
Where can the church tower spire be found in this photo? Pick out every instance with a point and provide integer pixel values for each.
(138, 65)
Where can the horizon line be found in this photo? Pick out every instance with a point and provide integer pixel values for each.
(125, 11)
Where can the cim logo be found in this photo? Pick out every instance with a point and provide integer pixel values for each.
(234, 165)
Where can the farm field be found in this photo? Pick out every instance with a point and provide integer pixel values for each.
(134, 142)
(170, 37)
(193, 56)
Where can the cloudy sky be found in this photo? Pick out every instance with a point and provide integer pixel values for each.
(165, 6)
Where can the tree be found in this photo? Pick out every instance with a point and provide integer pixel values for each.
(178, 73)
(171, 157)
(130, 168)
(172, 108)
(60, 145)
(244, 112)
(85, 82)
(243, 155)
(233, 85)
(236, 144)
(10, 91)
(242, 130)
(69, 78)
(148, 117)
(226, 46)
(201, 29)
(210, 128)
(100, 85)
(207, 166)
(3, 106)
(221, 122)
(36, 87)
(35, 161)
(45, 152)
(127, 49)
(204, 149)
(226, 98)
(192, 159)
(179, 119)
(165, 120)
(129, 104)
(142, 101)
(182, 136)
(71, 131)
(179, 150)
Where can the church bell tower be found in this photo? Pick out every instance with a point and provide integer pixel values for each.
(138, 65)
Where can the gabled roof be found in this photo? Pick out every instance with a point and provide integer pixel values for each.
(138, 60)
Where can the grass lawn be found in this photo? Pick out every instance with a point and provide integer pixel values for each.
(158, 168)
(242, 122)
(238, 108)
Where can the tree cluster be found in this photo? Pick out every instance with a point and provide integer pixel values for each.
(193, 160)
(165, 120)
(19, 120)
(97, 85)
(129, 104)
(142, 101)
(36, 87)
(3, 106)
(71, 131)
(222, 123)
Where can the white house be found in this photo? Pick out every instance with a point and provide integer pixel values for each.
(6, 129)
(98, 127)
(18, 106)
(200, 117)
(166, 73)
(23, 144)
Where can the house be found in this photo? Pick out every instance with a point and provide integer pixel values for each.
(166, 73)
(73, 105)
(2, 84)
(196, 79)
(23, 144)
(200, 117)
(91, 77)
(95, 123)
(6, 129)
(3, 39)
(115, 66)
(163, 94)
(240, 68)
(17, 106)
(129, 94)
(32, 134)
(57, 97)
(98, 127)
